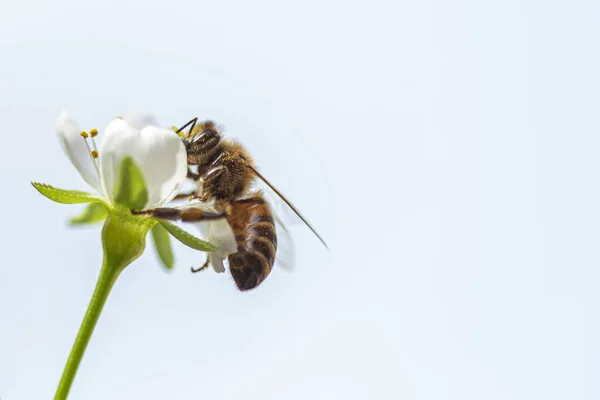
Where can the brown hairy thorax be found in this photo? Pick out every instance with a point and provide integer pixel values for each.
(224, 166)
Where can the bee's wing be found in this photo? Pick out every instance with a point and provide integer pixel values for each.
(283, 217)
(285, 255)
(289, 207)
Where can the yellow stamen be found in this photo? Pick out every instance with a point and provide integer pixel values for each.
(93, 132)
(93, 153)
(94, 141)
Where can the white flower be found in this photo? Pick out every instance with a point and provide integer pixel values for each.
(158, 152)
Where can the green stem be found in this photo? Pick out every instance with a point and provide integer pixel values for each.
(123, 240)
(108, 276)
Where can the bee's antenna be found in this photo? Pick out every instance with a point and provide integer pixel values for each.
(288, 203)
(192, 122)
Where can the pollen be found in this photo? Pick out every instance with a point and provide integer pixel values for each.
(94, 153)
(93, 132)
(84, 134)
(175, 129)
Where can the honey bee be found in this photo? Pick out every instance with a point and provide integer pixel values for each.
(225, 176)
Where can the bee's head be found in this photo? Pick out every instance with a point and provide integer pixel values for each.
(200, 141)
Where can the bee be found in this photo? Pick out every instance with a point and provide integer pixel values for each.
(225, 176)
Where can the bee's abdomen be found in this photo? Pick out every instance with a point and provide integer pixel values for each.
(252, 223)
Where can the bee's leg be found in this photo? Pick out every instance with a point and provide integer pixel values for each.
(204, 266)
(192, 214)
(193, 122)
(193, 195)
(192, 175)
(211, 181)
(213, 173)
(212, 176)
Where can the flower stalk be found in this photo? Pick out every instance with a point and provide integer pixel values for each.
(123, 238)
(108, 276)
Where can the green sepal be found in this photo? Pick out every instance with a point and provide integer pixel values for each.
(66, 196)
(187, 238)
(124, 236)
(130, 188)
(94, 212)
(162, 243)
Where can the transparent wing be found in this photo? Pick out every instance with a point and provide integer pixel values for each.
(284, 213)
(283, 217)
(289, 208)
(285, 256)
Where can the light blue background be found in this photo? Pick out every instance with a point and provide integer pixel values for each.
(447, 150)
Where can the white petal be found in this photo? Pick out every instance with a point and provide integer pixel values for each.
(159, 153)
(139, 120)
(217, 232)
(221, 235)
(217, 263)
(74, 146)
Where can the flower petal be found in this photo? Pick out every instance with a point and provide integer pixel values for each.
(159, 153)
(217, 232)
(139, 120)
(76, 149)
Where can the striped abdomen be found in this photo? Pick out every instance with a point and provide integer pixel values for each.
(252, 223)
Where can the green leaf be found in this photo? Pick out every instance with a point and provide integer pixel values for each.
(66, 196)
(187, 238)
(95, 212)
(130, 189)
(162, 243)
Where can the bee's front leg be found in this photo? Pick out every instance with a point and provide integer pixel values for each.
(204, 266)
(192, 175)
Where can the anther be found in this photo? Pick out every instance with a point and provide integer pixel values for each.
(93, 132)
(84, 134)
(94, 153)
